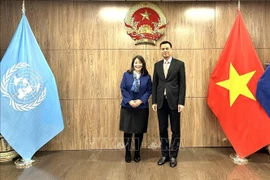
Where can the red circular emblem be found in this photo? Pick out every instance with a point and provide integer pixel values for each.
(145, 23)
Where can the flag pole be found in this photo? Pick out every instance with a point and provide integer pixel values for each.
(234, 156)
(23, 8)
(21, 163)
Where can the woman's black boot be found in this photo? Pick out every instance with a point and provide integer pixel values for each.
(138, 143)
(127, 141)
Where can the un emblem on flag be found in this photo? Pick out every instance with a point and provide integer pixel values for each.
(23, 86)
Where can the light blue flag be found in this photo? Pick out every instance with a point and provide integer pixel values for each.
(30, 108)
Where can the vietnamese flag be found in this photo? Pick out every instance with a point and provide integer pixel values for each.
(232, 89)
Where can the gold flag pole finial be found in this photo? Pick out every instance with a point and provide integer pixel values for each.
(23, 8)
(239, 5)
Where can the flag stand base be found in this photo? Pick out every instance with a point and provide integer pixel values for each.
(21, 163)
(6, 152)
(7, 156)
(268, 149)
(237, 160)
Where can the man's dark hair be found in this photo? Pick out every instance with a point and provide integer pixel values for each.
(165, 42)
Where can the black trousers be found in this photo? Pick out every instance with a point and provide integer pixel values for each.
(174, 117)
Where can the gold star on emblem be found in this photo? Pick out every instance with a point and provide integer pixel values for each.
(145, 15)
(237, 84)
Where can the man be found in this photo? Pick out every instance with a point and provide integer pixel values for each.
(168, 96)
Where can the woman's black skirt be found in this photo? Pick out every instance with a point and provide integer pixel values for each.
(134, 120)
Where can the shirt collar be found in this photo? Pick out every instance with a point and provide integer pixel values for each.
(170, 60)
(136, 74)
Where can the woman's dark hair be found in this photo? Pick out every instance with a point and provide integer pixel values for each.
(144, 70)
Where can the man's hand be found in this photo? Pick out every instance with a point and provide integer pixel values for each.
(154, 107)
(180, 108)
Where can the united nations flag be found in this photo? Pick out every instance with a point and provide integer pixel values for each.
(30, 108)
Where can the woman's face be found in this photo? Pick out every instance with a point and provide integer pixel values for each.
(137, 65)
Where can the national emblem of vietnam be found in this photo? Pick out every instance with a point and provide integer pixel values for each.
(145, 23)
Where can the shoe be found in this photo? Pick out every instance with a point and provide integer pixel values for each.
(128, 157)
(173, 162)
(137, 157)
(162, 160)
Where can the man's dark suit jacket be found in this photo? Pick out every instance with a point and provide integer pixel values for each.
(175, 84)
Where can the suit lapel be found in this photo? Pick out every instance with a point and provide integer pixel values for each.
(170, 67)
(160, 68)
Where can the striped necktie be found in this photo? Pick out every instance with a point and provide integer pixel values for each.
(166, 67)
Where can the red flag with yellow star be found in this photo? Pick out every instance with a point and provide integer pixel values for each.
(232, 89)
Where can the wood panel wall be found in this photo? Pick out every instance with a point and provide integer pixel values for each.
(88, 55)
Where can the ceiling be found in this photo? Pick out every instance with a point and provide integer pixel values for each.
(149, 1)
(170, 0)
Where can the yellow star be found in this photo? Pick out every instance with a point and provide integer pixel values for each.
(237, 84)
(145, 15)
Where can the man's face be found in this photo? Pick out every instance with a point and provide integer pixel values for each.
(166, 51)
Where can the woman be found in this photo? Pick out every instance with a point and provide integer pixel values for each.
(136, 87)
